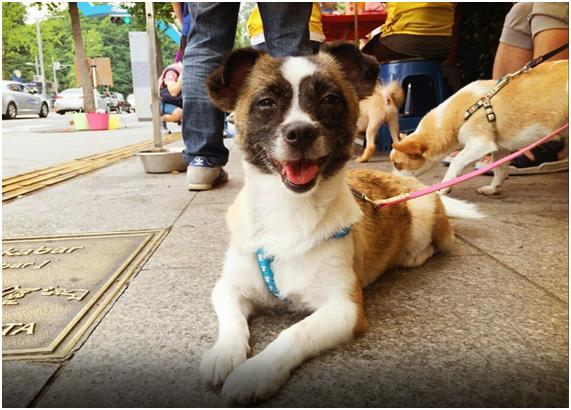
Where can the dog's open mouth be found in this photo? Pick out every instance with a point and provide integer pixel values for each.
(299, 175)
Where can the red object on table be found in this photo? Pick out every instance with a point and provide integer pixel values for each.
(341, 27)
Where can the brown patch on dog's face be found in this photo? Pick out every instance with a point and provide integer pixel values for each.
(295, 116)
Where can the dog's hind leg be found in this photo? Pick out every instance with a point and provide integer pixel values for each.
(394, 128)
(373, 126)
(430, 230)
(233, 309)
(500, 174)
(416, 259)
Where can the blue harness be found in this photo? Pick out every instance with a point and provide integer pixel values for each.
(265, 264)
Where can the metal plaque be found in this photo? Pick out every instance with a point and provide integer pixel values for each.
(55, 288)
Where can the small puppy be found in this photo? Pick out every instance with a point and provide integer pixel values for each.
(534, 104)
(296, 217)
(381, 107)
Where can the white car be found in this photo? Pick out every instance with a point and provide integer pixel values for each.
(17, 99)
(72, 100)
(131, 101)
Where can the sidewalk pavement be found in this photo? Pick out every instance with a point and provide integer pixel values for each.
(31, 144)
(484, 326)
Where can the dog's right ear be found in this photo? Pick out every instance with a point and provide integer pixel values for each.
(225, 83)
(413, 149)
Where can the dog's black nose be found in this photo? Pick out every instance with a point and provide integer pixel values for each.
(300, 134)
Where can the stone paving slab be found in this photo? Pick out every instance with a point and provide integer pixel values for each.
(472, 328)
(22, 381)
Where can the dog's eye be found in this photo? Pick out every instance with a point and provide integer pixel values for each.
(331, 99)
(266, 103)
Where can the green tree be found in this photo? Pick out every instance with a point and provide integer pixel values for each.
(101, 39)
(18, 45)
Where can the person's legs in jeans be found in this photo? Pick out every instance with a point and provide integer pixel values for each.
(211, 37)
(286, 28)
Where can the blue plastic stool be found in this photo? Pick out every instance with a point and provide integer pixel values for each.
(424, 87)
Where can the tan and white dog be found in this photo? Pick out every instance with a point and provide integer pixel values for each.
(296, 120)
(379, 108)
(534, 104)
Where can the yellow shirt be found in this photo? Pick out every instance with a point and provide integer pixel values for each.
(256, 29)
(422, 19)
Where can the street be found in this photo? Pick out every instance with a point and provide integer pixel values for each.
(30, 143)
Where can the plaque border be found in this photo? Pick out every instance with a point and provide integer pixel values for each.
(66, 341)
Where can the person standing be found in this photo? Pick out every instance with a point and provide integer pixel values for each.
(210, 38)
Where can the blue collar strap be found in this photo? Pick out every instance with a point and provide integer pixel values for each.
(265, 264)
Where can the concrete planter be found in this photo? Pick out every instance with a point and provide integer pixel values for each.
(162, 162)
(97, 121)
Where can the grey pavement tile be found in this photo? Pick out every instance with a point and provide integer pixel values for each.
(22, 381)
(199, 237)
(447, 334)
(459, 331)
(534, 246)
(462, 330)
(119, 197)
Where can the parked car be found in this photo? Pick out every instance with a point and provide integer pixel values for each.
(18, 99)
(131, 101)
(72, 100)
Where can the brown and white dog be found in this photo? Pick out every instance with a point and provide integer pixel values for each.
(380, 107)
(296, 120)
(534, 104)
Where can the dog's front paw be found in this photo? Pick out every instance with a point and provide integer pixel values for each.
(253, 381)
(488, 190)
(220, 361)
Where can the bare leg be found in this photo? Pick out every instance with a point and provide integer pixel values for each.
(394, 128)
(175, 116)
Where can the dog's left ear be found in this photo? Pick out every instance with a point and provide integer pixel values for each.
(360, 69)
(414, 149)
(225, 83)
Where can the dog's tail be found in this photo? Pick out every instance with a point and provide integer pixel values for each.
(456, 208)
(395, 92)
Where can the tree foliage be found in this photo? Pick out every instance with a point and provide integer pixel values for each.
(101, 39)
(18, 45)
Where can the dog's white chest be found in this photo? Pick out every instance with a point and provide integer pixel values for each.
(308, 280)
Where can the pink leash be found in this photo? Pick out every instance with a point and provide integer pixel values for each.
(437, 187)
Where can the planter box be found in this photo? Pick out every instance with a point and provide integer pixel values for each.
(97, 121)
(79, 121)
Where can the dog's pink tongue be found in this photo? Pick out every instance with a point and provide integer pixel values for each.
(300, 173)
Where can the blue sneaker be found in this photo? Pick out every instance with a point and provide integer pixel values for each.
(202, 176)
